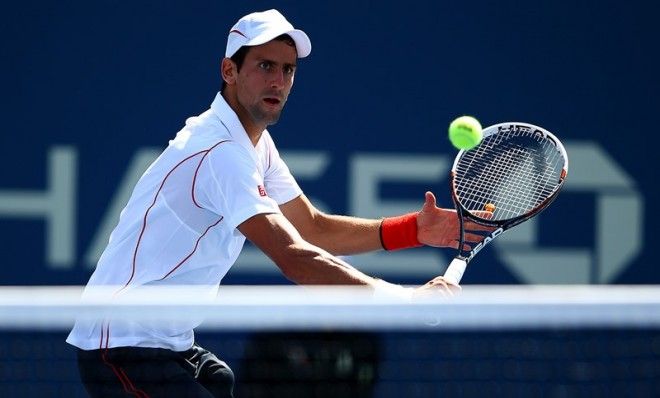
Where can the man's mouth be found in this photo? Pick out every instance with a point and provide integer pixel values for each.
(272, 101)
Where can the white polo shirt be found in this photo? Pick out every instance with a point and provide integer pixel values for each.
(179, 226)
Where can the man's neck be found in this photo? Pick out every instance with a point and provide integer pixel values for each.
(253, 130)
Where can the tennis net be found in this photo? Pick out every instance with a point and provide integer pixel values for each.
(327, 342)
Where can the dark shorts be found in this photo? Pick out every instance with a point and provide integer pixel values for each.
(154, 372)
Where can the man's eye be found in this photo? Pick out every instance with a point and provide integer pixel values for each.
(264, 65)
(288, 70)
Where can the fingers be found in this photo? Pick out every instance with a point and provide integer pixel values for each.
(437, 287)
(483, 214)
(473, 226)
(429, 200)
(441, 280)
(454, 245)
(473, 238)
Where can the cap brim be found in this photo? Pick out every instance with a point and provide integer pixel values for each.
(303, 44)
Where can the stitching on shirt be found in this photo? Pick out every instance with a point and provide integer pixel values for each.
(193, 251)
(146, 214)
(192, 190)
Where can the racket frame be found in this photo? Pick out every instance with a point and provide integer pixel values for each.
(457, 267)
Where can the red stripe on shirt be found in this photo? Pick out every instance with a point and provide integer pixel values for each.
(153, 203)
(192, 189)
(193, 251)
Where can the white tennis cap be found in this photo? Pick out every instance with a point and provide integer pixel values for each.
(262, 27)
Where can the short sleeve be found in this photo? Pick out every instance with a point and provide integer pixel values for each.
(280, 183)
(228, 183)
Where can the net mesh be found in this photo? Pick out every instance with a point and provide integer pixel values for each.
(515, 170)
(490, 341)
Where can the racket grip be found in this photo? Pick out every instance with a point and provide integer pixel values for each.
(455, 271)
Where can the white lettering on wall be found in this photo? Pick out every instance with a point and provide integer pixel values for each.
(56, 204)
(619, 214)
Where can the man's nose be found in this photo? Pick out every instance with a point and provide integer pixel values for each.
(277, 79)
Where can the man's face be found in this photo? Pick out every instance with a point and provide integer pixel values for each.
(265, 79)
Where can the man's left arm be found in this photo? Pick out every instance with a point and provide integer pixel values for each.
(339, 235)
(345, 235)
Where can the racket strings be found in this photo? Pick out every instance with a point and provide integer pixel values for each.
(514, 170)
(515, 191)
(514, 188)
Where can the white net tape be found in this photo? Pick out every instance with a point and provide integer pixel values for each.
(297, 308)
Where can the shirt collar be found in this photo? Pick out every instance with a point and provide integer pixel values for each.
(231, 121)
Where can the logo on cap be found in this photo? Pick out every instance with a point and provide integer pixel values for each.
(237, 31)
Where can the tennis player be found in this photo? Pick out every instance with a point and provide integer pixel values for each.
(221, 180)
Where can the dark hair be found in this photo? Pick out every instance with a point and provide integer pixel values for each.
(239, 55)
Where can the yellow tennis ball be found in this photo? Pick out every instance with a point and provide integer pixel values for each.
(465, 132)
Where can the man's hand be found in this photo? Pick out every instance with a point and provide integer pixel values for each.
(436, 287)
(439, 227)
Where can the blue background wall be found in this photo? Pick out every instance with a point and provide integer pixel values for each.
(100, 81)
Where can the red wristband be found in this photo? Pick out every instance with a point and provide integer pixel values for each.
(399, 232)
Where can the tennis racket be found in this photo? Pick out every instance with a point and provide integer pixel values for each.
(515, 172)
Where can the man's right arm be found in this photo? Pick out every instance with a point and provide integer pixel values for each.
(299, 260)
(306, 264)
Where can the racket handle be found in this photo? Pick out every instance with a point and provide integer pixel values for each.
(455, 271)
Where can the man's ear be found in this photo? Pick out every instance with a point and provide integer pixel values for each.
(228, 71)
